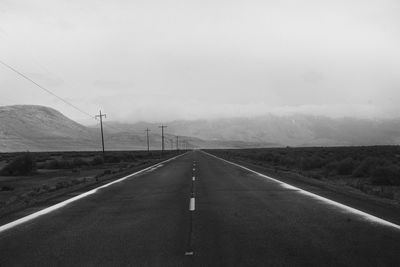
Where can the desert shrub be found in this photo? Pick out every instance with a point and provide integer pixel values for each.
(97, 161)
(45, 187)
(139, 156)
(305, 164)
(65, 164)
(7, 188)
(386, 175)
(365, 168)
(346, 166)
(52, 164)
(276, 159)
(41, 165)
(288, 161)
(62, 184)
(331, 167)
(58, 164)
(79, 162)
(132, 157)
(21, 165)
(316, 175)
(75, 181)
(112, 159)
(268, 157)
(310, 163)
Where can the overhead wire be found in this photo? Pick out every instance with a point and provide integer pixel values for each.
(50, 92)
(55, 95)
(46, 90)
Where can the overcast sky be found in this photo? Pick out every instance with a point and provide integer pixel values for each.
(183, 59)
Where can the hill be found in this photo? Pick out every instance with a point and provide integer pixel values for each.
(294, 130)
(38, 128)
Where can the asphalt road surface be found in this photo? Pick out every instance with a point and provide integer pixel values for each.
(236, 218)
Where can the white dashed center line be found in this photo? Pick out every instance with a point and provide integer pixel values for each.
(192, 204)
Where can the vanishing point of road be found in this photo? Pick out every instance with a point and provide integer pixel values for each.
(198, 210)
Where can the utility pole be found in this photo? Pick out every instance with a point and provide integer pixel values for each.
(148, 142)
(177, 143)
(162, 136)
(172, 143)
(101, 127)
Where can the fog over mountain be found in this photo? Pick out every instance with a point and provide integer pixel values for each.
(38, 128)
(166, 60)
(293, 130)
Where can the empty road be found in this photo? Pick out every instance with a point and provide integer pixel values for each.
(197, 210)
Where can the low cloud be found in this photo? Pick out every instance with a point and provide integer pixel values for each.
(162, 60)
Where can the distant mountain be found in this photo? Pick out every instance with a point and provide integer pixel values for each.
(273, 130)
(38, 128)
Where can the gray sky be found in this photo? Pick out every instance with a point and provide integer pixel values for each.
(165, 60)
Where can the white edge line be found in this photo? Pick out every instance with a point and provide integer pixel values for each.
(68, 201)
(365, 215)
(155, 167)
(192, 204)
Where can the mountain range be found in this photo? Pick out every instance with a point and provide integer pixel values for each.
(39, 128)
(293, 130)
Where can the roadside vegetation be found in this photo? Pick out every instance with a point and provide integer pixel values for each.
(20, 165)
(27, 178)
(374, 169)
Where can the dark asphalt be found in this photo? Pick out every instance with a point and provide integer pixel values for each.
(241, 219)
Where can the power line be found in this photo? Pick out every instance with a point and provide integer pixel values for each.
(116, 128)
(53, 94)
(45, 89)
